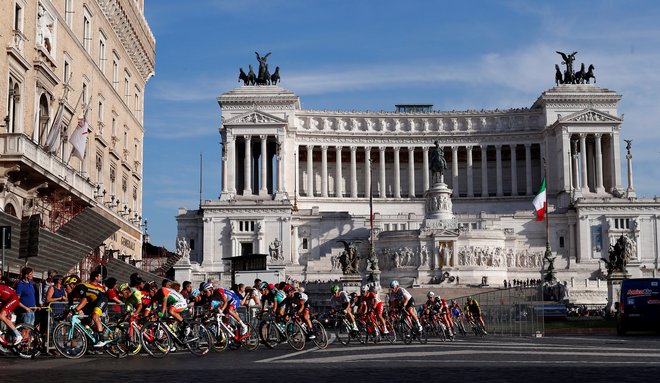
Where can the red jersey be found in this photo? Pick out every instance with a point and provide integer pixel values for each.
(6, 293)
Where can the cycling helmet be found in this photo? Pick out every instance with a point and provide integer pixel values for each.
(353, 295)
(207, 286)
(430, 294)
(334, 288)
(263, 285)
(271, 286)
(469, 298)
(373, 289)
(194, 293)
(394, 284)
(123, 286)
(436, 299)
(71, 280)
(365, 288)
(288, 288)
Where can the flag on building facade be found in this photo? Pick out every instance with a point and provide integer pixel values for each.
(53, 140)
(78, 139)
(540, 203)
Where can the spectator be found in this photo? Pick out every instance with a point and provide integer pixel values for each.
(166, 283)
(176, 286)
(56, 292)
(113, 296)
(26, 293)
(45, 286)
(186, 289)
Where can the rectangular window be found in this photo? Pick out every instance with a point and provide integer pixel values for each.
(115, 71)
(101, 110)
(67, 71)
(87, 30)
(305, 244)
(68, 12)
(136, 107)
(102, 53)
(561, 242)
(127, 89)
(192, 244)
(18, 18)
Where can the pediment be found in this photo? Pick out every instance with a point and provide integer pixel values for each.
(255, 118)
(590, 115)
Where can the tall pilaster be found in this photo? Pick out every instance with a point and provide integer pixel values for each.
(338, 176)
(583, 160)
(264, 166)
(528, 169)
(630, 191)
(616, 156)
(411, 172)
(484, 171)
(599, 164)
(498, 168)
(353, 172)
(381, 159)
(231, 164)
(247, 166)
(577, 190)
(367, 171)
(310, 170)
(470, 176)
(324, 171)
(454, 171)
(397, 173)
(425, 168)
(514, 171)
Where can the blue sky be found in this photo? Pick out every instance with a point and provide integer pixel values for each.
(371, 55)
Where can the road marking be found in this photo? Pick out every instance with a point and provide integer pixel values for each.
(293, 354)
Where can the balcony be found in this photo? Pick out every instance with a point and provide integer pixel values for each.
(16, 48)
(38, 166)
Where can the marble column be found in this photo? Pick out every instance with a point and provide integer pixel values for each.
(425, 168)
(498, 169)
(247, 166)
(454, 171)
(263, 190)
(528, 169)
(411, 172)
(353, 172)
(470, 175)
(310, 170)
(599, 164)
(514, 171)
(367, 172)
(397, 173)
(281, 189)
(324, 171)
(583, 159)
(231, 164)
(382, 193)
(484, 171)
(338, 176)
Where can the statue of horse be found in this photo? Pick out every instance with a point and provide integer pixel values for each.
(243, 77)
(558, 77)
(438, 164)
(264, 76)
(590, 74)
(252, 78)
(275, 77)
(579, 75)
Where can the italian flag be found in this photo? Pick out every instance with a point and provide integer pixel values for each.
(540, 203)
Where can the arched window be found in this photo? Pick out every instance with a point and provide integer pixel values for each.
(41, 130)
(9, 209)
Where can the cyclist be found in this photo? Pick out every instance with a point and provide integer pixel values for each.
(371, 302)
(172, 302)
(228, 302)
(93, 301)
(341, 299)
(456, 312)
(8, 302)
(472, 307)
(295, 303)
(445, 316)
(407, 301)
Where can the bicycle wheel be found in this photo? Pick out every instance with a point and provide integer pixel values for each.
(69, 341)
(363, 332)
(343, 332)
(30, 346)
(422, 336)
(406, 331)
(129, 340)
(269, 334)
(320, 335)
(198, 340)
(113, 334)
(155, 339)
(295, 335)
(219, 337)
(251, 340)
(391, 333)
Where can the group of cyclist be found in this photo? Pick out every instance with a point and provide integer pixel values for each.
(400, 299)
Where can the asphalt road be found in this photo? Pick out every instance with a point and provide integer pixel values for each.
(492, 359)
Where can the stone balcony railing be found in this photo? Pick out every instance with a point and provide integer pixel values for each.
(16, 148)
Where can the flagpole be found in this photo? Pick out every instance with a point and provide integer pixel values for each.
(85, 109)
(550, 273)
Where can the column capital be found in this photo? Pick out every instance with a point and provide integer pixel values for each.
(425, 148)
(367, 149)
(598, 135)
(498, 146)
(382, 149)
(454, 149)
(247, 137)
(483, 147)
(338, 148)
(353, 149)
(324, 148)
(468, 148)
(411, 148)
(396, 148)
(310, 147)
(262, 136)
(583, 136)
(528, 145)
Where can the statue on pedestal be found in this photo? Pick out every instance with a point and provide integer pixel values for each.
(438, 164)
(349, 258)
(620, 254)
